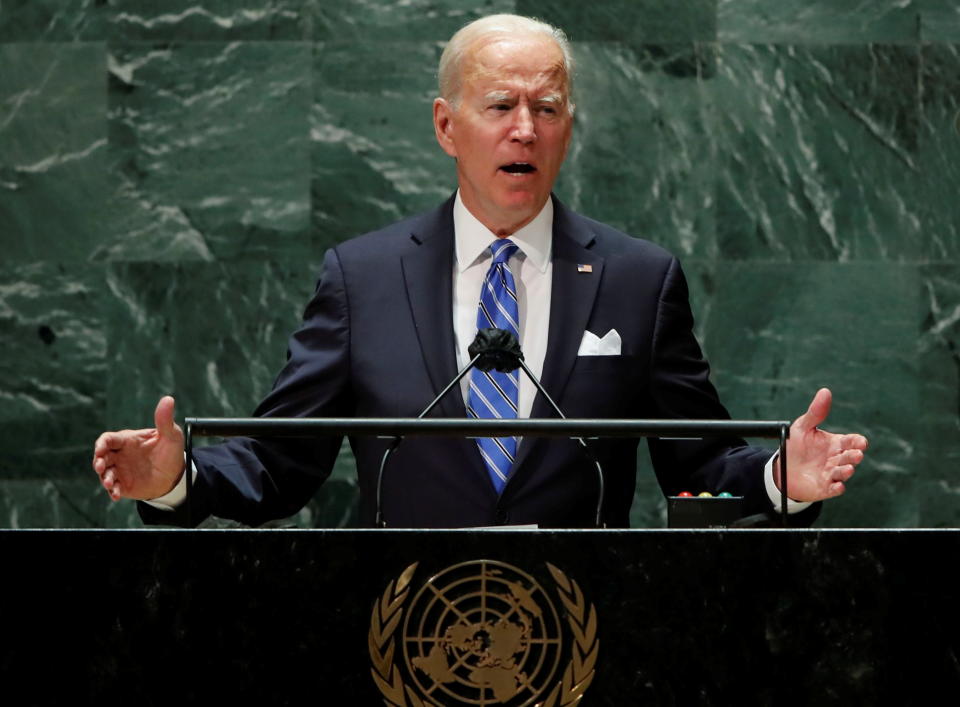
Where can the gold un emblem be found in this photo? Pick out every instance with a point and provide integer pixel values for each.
(482, 633)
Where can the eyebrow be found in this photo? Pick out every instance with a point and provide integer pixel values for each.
(506, 96)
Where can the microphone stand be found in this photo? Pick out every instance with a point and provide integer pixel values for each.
(586, 449)
(397, 440)
(499, 349)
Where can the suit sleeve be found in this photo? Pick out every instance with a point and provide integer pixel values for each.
(681, 389)
(257, 480)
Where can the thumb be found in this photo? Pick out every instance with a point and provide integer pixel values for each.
(817, 412)
(163, 416)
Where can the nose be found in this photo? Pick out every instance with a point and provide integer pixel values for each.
(523, 128)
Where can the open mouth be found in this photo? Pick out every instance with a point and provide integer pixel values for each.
(518, 168)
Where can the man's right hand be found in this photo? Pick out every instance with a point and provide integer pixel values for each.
(141, 464)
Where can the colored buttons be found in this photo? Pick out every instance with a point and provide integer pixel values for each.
(705, 494)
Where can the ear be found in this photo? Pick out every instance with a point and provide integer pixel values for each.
(443, 126)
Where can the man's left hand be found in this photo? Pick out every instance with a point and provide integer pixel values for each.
(819, 463)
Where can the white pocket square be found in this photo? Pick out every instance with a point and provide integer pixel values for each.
(592, 345)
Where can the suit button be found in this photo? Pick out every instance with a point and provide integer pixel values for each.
(503, 517)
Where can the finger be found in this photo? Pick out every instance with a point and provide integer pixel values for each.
(842, 473)
(108, 441)
(836, 489)
(817, 411)
(112, 484)
(849, 456)
(109, 458)
(854, 441)
(163, 416)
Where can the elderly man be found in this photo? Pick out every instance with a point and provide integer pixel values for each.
(602, 317)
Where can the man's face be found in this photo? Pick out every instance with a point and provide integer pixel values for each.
(510, 130)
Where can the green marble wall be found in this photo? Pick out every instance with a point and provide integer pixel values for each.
(802, 157)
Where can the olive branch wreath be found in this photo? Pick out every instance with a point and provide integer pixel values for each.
(569, 690)
(583, 623)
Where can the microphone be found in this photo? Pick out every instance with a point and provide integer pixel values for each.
(496, 349)
(493, 349)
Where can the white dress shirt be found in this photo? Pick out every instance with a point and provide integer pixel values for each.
(532, 270)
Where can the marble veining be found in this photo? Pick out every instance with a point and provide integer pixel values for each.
(171, 173)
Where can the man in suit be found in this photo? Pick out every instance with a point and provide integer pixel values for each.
(603, 317)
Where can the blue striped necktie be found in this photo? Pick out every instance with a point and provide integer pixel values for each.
(494, 394)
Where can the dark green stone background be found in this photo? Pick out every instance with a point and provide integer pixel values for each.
(802, 156)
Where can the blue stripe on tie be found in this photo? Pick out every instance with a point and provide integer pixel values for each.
(503, 388)
(494, 395)
(502, 312)
(492, 411)
(502, 447)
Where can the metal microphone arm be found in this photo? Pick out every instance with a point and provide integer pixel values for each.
(460, 375)
(586, 449)
(398, 439)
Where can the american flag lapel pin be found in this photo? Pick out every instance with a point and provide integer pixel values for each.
(584, 268)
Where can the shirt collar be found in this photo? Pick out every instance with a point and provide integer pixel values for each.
(473, 238)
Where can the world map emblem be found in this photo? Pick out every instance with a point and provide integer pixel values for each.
(483, 633)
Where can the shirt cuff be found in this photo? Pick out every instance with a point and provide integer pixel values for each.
(175, 496)
(774, 493)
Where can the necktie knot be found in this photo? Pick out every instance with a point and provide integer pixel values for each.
(502, 250)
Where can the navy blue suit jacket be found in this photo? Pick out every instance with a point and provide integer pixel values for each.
(377, 341)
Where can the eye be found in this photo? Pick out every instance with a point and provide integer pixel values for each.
(500, 106)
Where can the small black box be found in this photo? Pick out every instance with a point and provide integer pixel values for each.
(703, 512)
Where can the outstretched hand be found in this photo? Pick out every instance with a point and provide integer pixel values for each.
(141, 464)
(819, 463)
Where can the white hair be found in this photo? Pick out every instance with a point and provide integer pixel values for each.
(449, 73)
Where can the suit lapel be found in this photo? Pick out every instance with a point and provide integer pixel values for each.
(574, 290)
(428, 275)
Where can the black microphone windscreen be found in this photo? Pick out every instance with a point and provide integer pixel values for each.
(498, 349)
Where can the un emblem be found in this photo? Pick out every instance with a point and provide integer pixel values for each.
(482, 633)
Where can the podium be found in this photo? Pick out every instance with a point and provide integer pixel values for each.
(702, 617)
(580, 430)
